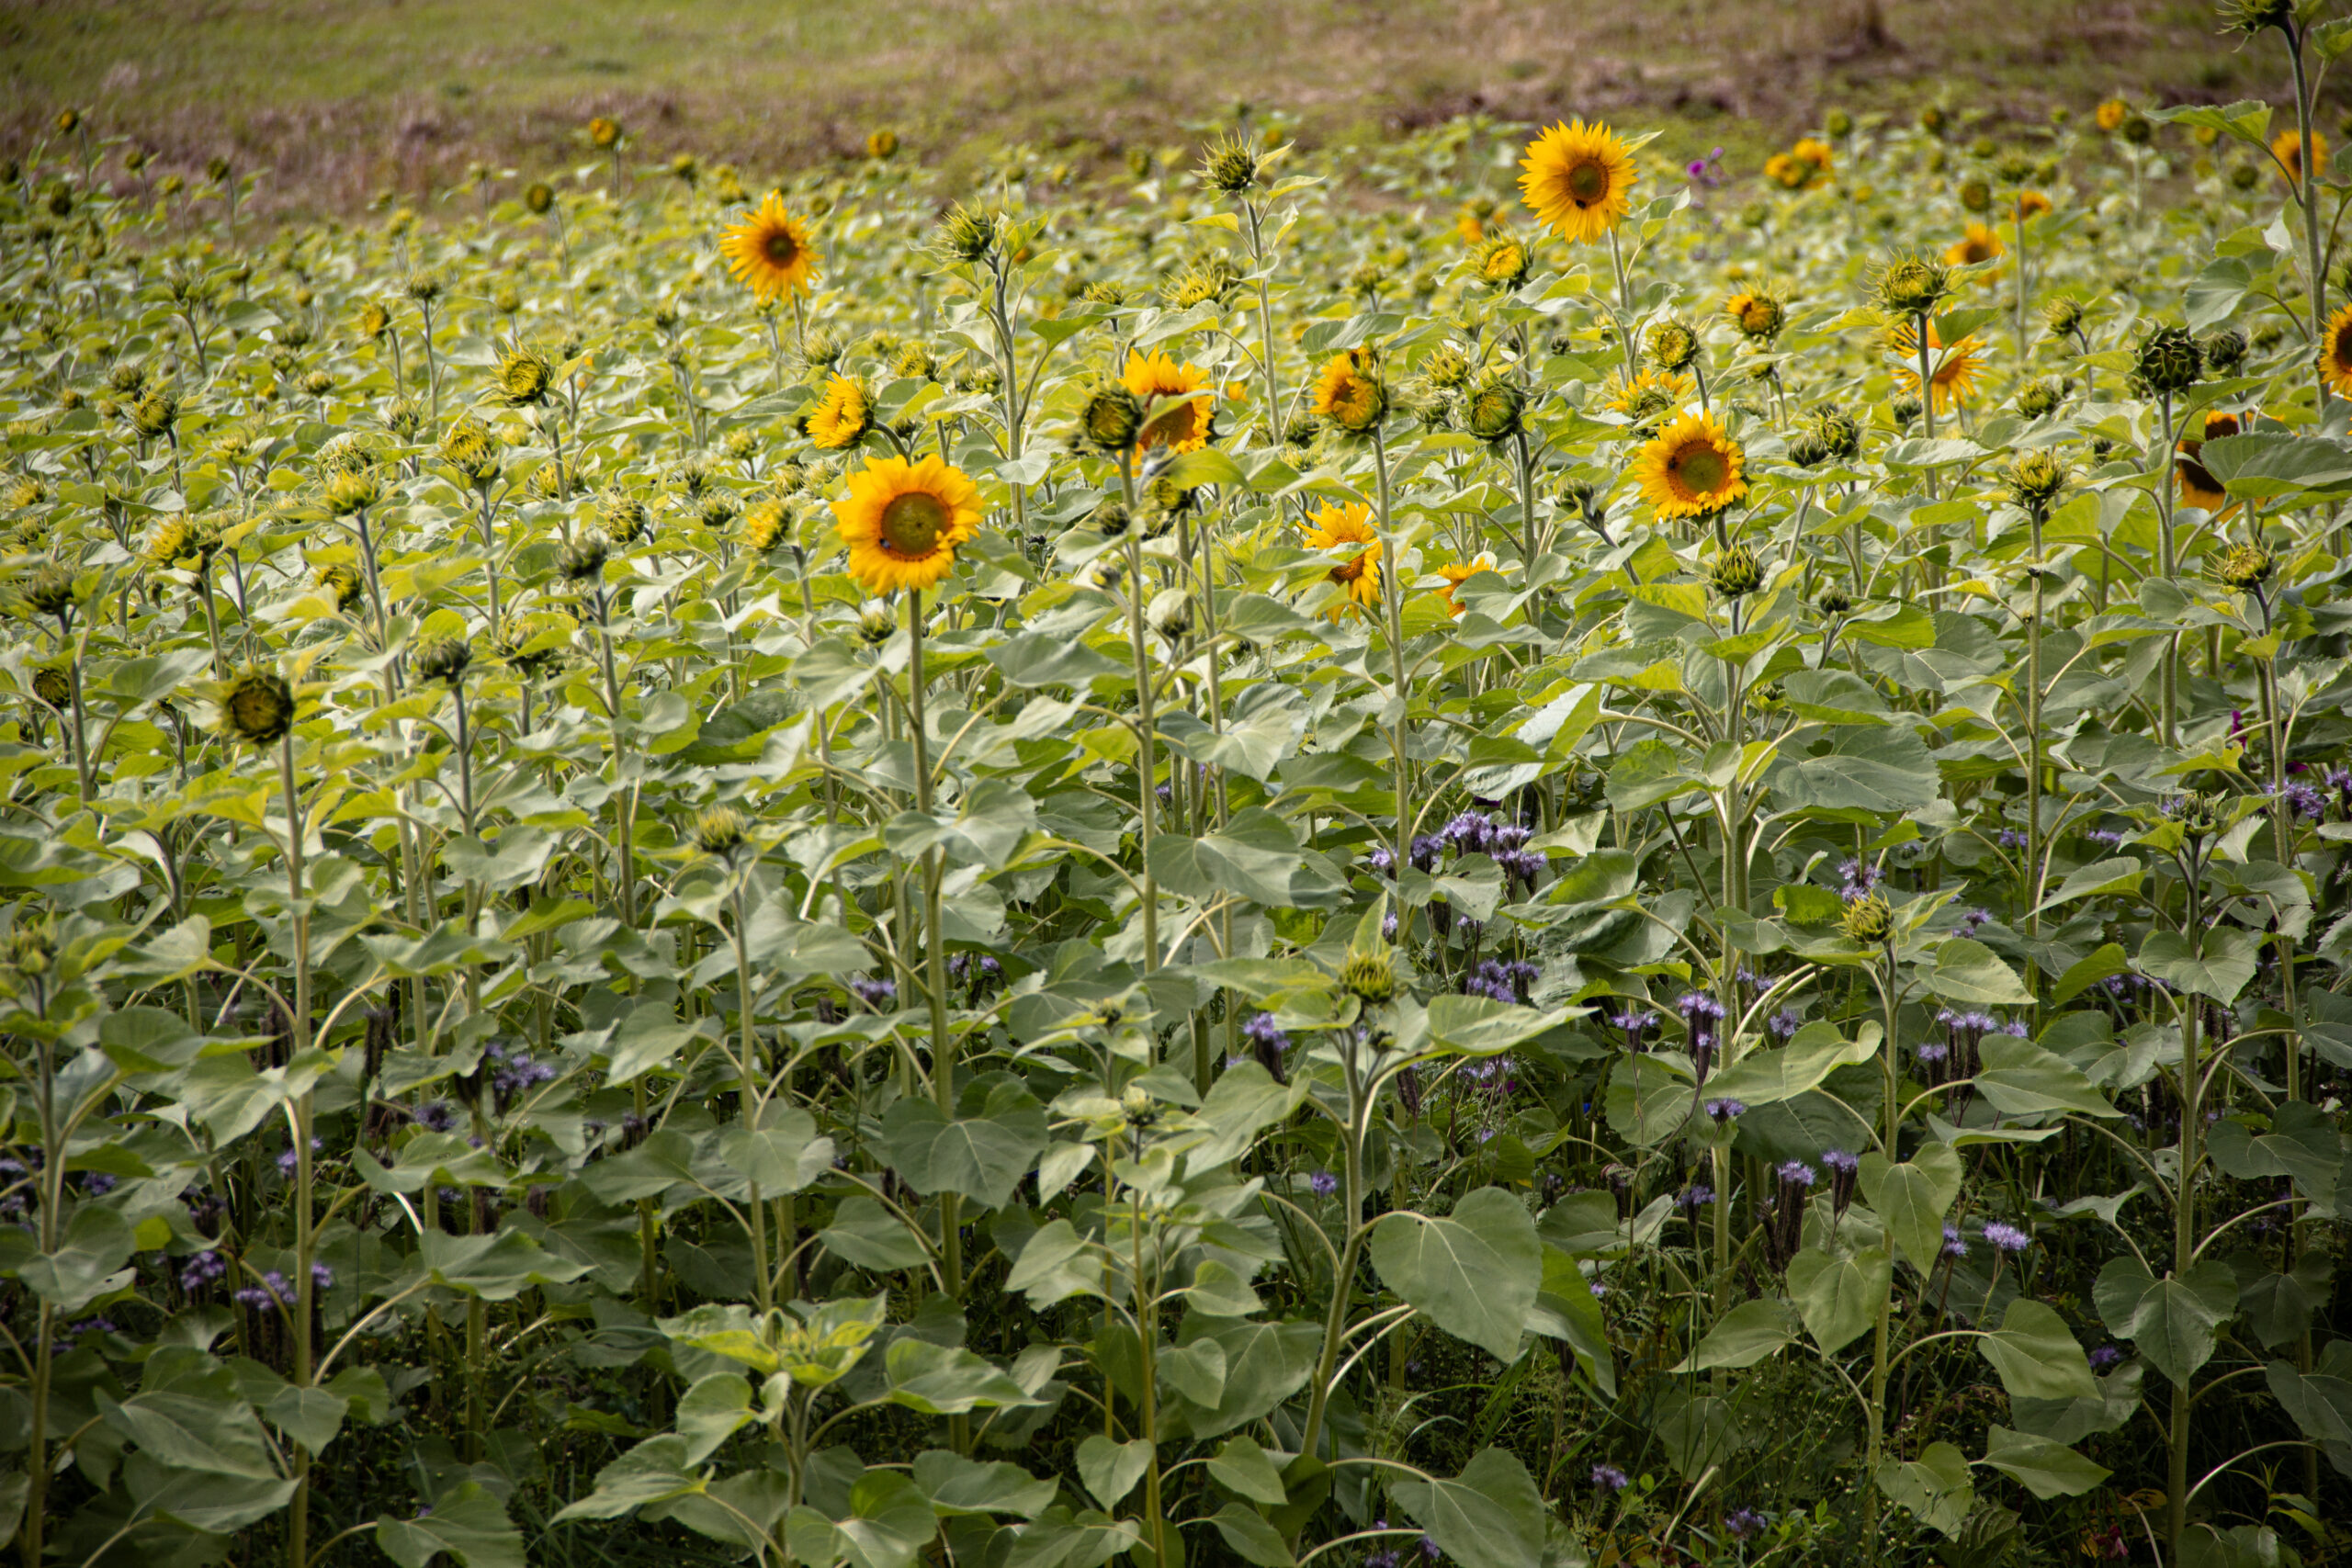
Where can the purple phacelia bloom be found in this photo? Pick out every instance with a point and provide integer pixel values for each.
(2006, 1237)
(1324, 1183)
(1609, 1478)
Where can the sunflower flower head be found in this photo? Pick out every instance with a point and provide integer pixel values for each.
(2336, 353)
(902, 522)
(257, 707)
(1502, 261)
(2111, 114)
(1350, 392)
(1232, 164)
(1736, 574)
(1977, 245)
(1692, 468)
(1342, 526)
(2035, 481)
(1111, 419)
(968, 235)
(770, 251)
(767, 525)
(1496, 409)
(2287, 148)
(1456, 573)
(1671, 345)
(1166, 390)
(2244, 567)
(1952, 370)
(1759, 313)
(524, 375)
(1839, 430)
(2169, 360)
(1650, 395)
(840, 416)
(1578, 179)
(1912, 286)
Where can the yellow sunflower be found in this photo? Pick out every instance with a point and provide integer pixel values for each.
(1459, 572)
(1333, 526)
(1978, 244)
(902, 522)
(2111, 114)
(1349, 393)
(1577, 179)
(2336, 353)
(2197, 485)
(2031, 204)
(842, 416)
(1692, 468)
(1809, 151)
(1759, 313)
(2287, 148)
(1650, 393)
(1181, 427)
(1954, 369)
(770, 251)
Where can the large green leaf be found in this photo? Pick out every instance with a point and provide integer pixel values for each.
(2046, 1469)
(2319, 1404)
(2217, 963)
(497, 1266)
(1840, 1297)
(653, 1471)
(2174, 1323)
(1764, 1078)
(466, 1522)
(1744, 1336)
(998, 1134)
(1911, 1198)
(1934, 1488)
(1473, 1272)
(2017, 1078)
(2037, 1356)
(1488, 1517)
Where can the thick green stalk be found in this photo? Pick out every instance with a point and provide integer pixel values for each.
(297, 1524)
(1400, 703)
(943, 1037)
(1147, 735)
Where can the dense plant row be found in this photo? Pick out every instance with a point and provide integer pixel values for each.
(1323, 860)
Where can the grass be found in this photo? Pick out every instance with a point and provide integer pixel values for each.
(344, 98)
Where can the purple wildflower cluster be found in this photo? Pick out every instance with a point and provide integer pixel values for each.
(203, 1268)
(879, 996)
(1500, 840)
(1610, 1479)
(1701, 1016)
(1858, 878)
(285, 1161)
(2302, 800)
(513, 1073)
(1784, 1212)
(1268, 1043)
(1502, 980)
(1746, 1524)
(437, 1116)
(1634, 1023)
(275, 1292)
(1844, 1171)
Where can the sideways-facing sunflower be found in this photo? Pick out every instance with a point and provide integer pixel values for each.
(1954, 370)
(2336, 353)
(1349, 393)
(1578, 180)
(1181, 427)
(1692, 468)
(771, 250)
(1456, 573)
(1759, 313)
(902, 522)
(1335, 526)
(841, 415)
(1979, 243)
(2199, 487)
(1650, 394)
(2031, 204)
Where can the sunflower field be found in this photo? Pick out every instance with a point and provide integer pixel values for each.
(1475, 851)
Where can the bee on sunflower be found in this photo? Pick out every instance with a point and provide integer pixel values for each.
(1578, 180)
(1692, 468)
(902, 522)
(771, 250)
(1337, 525)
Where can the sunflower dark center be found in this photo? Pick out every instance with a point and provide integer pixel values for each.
(1587, 182)
(1702, 470)
(1352, 569)
(2340, 349)
(912, 524)
(780, 246)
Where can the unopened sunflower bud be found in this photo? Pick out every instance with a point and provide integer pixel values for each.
(1446, 368)
(50, 590)
(766, 526)
(523, 376)
(342, 583)
(1833, 601)
(258, 707)
(583, 560)
(2035, 481)
(720, 832)
(1171, 613)
(969, 236)
(2245, 567)
(1671, 345)
(875, 625)
(623, 516)
(50, 685)
(2225, 349)
(1736, 574)
(1913, 286)
(1496, 410)
(1231, 165)
(442, 659)
(1111, 419)
(2168, 361)
(470, 447)
(353, 491)
(1370, 977)
(1870, 920)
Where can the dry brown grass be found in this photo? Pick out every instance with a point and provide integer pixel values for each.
(342, 100)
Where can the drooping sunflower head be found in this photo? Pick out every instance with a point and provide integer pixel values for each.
(2287, 148)
(1977, 245)
(1578, 179)
(840, 416)
(904, 521)
(2336, 353)
(1350, 392)
(1181, 426)
(257, 707)
(770, 251)
(1692, 468)
(1338, 527)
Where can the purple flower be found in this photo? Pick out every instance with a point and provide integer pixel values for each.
(97, 1183)
(1860, 876)
(2006, 1237)
(1784, 1024)
(436, 1116)
(1609, 1478)
(877, 994)
(1723, 1111)
(1383, 860)
(2104, 1356)
(321, 1279)
(1955, 1246)
(1973, 920)
(2106, 837)
(1635, 1022)
(1746, 1524)
(1696, 1196)
(1324, 1183)
(1796, 1173)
